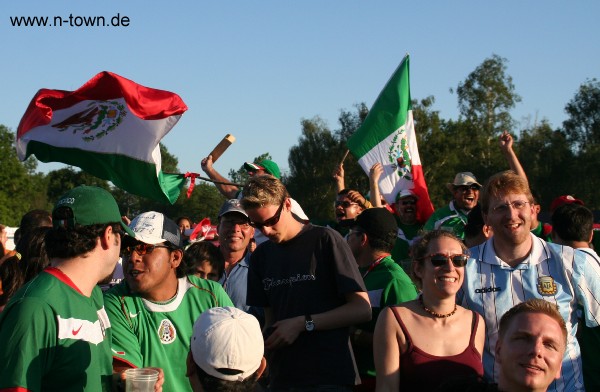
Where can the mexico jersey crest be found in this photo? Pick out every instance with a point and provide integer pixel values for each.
(546, 286)
(167, 332)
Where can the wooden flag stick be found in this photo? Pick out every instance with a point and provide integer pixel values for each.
(344, 158)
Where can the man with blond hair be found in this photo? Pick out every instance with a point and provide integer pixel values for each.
(514, 265)
(308, 282)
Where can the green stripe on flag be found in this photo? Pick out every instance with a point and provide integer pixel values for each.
(387, 114)
(127, 173)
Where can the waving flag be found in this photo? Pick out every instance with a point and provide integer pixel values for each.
(110, 127)
(388, 136)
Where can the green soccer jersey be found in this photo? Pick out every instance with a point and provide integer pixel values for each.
(387, 284)
(407, 234)
(146, 334)
(448, 218)
(54, 338)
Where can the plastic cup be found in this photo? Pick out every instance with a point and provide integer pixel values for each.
(140, 380)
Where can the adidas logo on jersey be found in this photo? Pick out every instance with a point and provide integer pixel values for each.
(487, 290)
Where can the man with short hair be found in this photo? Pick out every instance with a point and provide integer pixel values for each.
(226, 351)
(371, 238)
(573, 225)
(532, 338)
(235, 234)
(453, 217)
(514, 265)
(152, 312)
(55, 332)
(308, 282)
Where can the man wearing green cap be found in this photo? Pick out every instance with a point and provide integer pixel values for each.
(55, 333)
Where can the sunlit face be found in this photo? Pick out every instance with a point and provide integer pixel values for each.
(153, 273)
(278, 218)
(406, 209)
(465, 196)
(205, 270)
(346, 208)
(444, 280)
(530, 353)
(510, 218)
(235, 232)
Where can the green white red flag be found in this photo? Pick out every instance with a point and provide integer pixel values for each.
(110, 127)
(388, 136)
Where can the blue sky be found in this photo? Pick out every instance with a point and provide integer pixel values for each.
(255, 69)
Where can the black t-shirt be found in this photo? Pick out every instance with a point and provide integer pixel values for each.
(306, 275)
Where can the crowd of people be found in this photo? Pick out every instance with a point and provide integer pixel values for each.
(481, 296)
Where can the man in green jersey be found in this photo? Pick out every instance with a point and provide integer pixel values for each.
(453, 217)
(153, 311)
(371, 238)
(55, 332)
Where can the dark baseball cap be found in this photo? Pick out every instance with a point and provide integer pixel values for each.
(376, 222)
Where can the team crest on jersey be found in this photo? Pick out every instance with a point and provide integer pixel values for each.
(166, 332)
(546, 286)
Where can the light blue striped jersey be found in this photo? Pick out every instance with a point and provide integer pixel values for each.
(558, 274)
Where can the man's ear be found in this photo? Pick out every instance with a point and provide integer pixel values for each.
(108, 237)
(176, 258)
(497, 351)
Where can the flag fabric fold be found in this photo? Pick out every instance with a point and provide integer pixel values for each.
(110, 127)
(388, 136)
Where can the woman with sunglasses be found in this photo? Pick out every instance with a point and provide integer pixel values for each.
(421, 344)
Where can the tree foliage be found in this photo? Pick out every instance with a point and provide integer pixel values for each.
(583, 125)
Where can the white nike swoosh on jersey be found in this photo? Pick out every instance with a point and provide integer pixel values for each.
(133, 315)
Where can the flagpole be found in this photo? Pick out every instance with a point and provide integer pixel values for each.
(344, 158)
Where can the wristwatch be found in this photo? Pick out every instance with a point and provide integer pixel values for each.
(308, 323)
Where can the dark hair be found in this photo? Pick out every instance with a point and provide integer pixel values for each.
(201, 251)
(33, 252)
(381, 243)
(68, 242)
(213, 384)
(573, 222)
(11, 278)
(31, 220)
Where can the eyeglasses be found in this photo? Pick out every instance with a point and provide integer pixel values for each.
(229, 223)
(408, 202)
(352, 231)
(272, 221)
(344, 204)
(440, 259)
(464, 188)
(141, 249)
(517, 205)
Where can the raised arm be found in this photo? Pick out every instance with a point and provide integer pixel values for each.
(506, 146)
(229, 191)
(374, 175)
(338, 177)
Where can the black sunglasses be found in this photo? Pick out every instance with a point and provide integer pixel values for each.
(440, 259)
(464, 188)
(345, 203)
(271, 221)
(141, 249)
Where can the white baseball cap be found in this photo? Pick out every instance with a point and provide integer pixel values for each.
(227, 339)
(154, 228)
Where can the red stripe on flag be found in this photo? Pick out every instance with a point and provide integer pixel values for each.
(144, 102)
(424, 206)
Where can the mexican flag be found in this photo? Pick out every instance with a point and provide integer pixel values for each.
(110, 127)
(388, 136)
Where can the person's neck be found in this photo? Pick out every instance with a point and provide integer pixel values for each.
(233, 257)
(578, 244)
(408, 221)
(511, 254)
(439, 305)
(77, 271)
(368, 258)
(164, 293)
(294, 229)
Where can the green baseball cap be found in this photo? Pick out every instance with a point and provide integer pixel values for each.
(90, 205)
(267, 165)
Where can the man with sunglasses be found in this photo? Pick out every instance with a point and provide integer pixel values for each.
(308, 283)
(153, 311)
(514, 265)
(371, 238)
(55, 332)
(453, 217)
(408, 226)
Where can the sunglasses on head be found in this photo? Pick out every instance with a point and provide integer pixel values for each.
(440, 259)
(271, 221)
(141, 249)
(345, 203)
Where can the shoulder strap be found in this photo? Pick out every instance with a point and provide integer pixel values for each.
(402, 327)
(474, 324)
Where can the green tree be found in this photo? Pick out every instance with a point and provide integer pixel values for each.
(583, 125)
(22, 189)
(484, 100)
(62, 180)
(240, 176)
